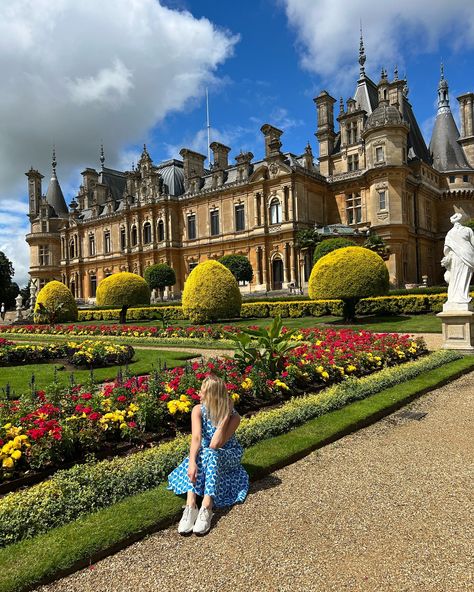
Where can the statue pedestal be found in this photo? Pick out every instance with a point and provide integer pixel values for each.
(458, 330)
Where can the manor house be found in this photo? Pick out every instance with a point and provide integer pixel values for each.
(375, 173)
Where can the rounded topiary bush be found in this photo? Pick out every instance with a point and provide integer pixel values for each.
(331, 244)
(349, 274)
(122, 289)
(55, 304)
(211, 293)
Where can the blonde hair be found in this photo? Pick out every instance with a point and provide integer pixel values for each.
(214, 395)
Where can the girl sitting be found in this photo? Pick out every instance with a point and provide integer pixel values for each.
(212, 469)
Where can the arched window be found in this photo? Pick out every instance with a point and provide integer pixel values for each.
(275, 211)
(161, 231)
(146, 233)
(134, 236)
(71, 248)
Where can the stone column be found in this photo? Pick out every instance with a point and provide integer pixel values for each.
(264, 267)
(256, 207)
(294, 264)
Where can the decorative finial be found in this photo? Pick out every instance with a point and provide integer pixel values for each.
(443, 92)
(341, 105)
(362, 56)
(442, 70)
(395, 73)
(102, 157)
(406, 89)
(133, 165)
(144, 148)
(54, 161)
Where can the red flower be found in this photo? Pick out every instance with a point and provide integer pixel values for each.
(122, 398)
(86, 396)
(94, 416)
(132, 424)
(164, 397)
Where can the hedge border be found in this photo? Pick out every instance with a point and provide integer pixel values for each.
(401, 304)
(162, 507)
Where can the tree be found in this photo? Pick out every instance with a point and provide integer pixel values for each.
(160, 276)
(240, 267)
(331, 244)
(10, 294)
(6, 275)
(307, 239)
(349, 274)
(376, 243)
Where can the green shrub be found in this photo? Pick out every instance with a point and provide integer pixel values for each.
(211, 293)
(349, 274)
(239, 265)
(55, 304)
(159, 277)
(85, 488)
(123, 289)
(330, 244)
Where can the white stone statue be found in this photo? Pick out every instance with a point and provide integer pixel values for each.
(459, 263)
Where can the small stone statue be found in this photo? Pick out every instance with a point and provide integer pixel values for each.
(33, 288)
(19, 306)
(459, 263)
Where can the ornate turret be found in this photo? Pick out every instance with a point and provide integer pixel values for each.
(447, 154)
(54, 195)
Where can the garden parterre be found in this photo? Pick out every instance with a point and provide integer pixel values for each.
(45, 429)
(89, 354)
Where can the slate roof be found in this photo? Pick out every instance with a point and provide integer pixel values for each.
(115, 181)
(173, 176)
(55, 198)
(446, 152)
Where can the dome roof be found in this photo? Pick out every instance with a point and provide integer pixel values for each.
(384, 114)
(173, 176)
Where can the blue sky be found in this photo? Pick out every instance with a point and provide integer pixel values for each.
(140, 72)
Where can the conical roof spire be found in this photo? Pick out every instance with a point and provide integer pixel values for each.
(443, 92)
(102, 157)
(54, 195)
(447, 153)
(362, 56)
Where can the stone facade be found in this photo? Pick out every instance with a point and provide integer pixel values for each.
(375, 173)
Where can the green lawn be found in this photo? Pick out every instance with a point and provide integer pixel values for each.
(19, 377)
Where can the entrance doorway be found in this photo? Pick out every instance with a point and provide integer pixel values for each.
(277, 275)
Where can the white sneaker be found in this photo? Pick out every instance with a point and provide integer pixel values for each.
(203, 521)
(188, 519)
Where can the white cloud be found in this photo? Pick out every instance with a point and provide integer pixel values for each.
(75, 73)
(328, 32)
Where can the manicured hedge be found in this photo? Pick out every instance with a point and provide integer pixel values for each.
(380, 305)
(86, 488)
(121, 289)
(57, 302)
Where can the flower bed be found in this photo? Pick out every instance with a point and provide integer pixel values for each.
(85, 488)
(49, 428)
(90, 354)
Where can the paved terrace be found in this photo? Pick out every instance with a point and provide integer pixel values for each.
(388, 509)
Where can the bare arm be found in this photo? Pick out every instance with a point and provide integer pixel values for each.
(196, 427)
(225, 431)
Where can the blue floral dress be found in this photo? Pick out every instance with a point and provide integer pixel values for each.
(219, 472)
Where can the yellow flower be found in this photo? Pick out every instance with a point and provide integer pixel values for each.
(16, 454)
(281, 384)
(247, 384)
(325, 375)
(8, 463)
(351, 368)
(123, 426)
(235, 397)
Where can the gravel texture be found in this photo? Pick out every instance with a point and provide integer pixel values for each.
(386, 509)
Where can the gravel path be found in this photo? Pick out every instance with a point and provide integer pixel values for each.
(388, 509)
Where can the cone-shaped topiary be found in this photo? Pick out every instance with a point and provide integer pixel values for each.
(211, 293)
(55, 304)
(349, 274)
(122, 289)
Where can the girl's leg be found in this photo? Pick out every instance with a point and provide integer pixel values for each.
(191, 499)
(207, 502)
